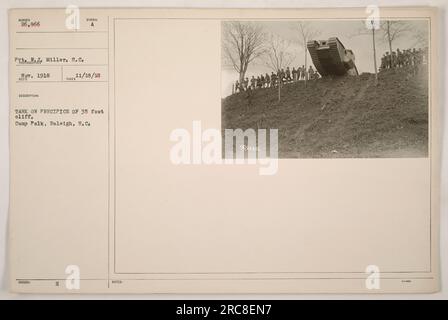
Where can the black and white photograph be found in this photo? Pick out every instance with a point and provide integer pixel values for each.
(332, 88)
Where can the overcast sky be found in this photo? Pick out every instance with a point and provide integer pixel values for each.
(347, 31)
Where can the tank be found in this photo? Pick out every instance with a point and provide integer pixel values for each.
(331, 58)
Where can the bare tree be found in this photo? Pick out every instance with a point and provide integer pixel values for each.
(278, 56)
(306, 33)
(391, 31)
(242, 43)
(387, 31)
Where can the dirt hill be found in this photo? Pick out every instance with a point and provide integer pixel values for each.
(340, 117)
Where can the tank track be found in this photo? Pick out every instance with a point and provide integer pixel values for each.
(328, 57)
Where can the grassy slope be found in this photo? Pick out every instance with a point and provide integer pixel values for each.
(340, 117)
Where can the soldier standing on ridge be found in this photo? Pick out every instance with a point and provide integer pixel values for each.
(420, 56)
(399, 58)
(237, 87)
(302, 72)
(252, 82)
(262, 81)
(414, 57)
(288, 75)
(387, 58)
(407, 60)
(268, 80)
(246, 84)
(311, 73)
(383, 62)
(273, 79)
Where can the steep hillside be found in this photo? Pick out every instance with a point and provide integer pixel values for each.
(340, 117)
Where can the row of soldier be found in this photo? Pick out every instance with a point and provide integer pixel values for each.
(402, 58)
(273, 80)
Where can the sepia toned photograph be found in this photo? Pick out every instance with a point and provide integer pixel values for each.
(332, 88)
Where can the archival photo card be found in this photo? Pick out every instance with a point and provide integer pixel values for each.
(214, 151)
